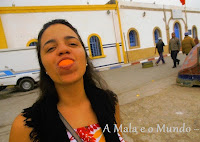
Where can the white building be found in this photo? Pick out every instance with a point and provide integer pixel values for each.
(146, 22)
(112, 33)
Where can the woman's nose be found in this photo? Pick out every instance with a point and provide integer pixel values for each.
(63, 49)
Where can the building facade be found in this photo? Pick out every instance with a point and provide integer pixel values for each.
(113, 34)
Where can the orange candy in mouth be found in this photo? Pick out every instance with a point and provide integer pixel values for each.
(65, 62)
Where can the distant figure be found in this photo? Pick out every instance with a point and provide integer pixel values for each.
(159, 47)
(187, 44)
(174, 48)
(196, 40)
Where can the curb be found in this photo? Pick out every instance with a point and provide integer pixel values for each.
(129, 64)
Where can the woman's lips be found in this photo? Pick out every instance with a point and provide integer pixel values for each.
(66, 63)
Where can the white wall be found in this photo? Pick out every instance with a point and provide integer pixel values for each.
(193, 19)
(20, 28)
(189, 3)
(40, 2)
(133, 18)
(49, 2)
(144, 25)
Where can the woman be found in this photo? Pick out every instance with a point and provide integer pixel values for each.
(68, 85)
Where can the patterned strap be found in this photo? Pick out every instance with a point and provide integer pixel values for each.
(69, 128)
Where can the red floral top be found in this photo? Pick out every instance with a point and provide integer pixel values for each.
(91, 133)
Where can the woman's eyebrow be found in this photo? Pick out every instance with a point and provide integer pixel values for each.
(49, 41)
(71, 37)
(53, 40)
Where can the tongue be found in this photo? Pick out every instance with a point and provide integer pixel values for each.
(65, 62)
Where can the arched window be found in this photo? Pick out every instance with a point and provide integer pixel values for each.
(95, 46)
(133, 38)
(32, 42)
(157, 34)
(194, 31)
(177, 30)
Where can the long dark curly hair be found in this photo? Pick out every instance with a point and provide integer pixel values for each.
(43, 116)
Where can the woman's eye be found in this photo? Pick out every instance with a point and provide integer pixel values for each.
(73, 44)
(50, 49)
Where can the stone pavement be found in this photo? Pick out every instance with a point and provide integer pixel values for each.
(11, 104)
(153, 108)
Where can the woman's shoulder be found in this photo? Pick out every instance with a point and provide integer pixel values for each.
(25, 123)
(19, 131)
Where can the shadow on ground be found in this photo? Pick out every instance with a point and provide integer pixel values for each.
(13, 91)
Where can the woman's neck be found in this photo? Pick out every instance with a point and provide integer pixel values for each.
(71, 94)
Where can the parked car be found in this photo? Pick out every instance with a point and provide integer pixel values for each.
(19, 67)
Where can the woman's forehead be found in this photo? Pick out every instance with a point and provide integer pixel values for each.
(58, 30)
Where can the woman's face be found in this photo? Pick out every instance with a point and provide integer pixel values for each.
(62, 54)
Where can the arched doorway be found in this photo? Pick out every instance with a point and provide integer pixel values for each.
(177, 30)
(157, 34)
(194, 31)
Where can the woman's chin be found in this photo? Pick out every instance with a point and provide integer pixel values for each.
(67, 80)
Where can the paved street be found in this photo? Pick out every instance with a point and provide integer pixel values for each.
(153, 108)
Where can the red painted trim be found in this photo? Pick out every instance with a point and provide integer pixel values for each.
(151, 59)
(135, 63)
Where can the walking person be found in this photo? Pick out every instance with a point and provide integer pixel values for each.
(74, 104)
(174, 48)
(159, 47)
(187, 44)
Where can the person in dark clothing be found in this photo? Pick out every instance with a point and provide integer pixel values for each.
(187, 44)
(159, 47)
(174, 48)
